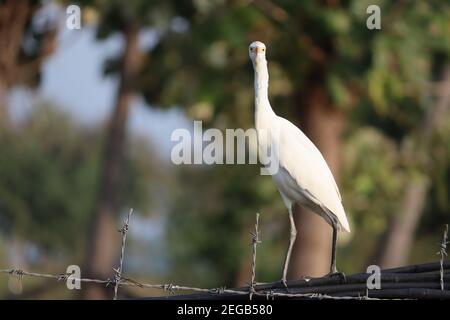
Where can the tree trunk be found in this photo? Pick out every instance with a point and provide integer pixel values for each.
(14, 15)
(15, 66)
(400, 235)
(243, 273)
(395, 247)
(323, 124)
(104, 239)
(4, 112)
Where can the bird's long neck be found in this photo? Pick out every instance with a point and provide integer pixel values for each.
(263, 110)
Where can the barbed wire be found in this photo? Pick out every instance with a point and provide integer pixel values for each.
(408, 282)
(443, 253)
(255, 242)
(118, 271)
(119, 281)
(123, 281)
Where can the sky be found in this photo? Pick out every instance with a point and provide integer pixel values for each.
(73, 80)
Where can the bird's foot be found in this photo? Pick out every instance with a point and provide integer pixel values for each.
(284, 283)
(337, 274)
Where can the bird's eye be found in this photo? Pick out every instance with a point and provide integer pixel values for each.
(263, 49)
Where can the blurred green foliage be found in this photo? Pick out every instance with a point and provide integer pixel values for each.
(49, 175)
(382, 80)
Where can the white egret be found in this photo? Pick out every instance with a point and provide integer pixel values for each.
(303, 177)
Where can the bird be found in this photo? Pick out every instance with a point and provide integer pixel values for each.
(303, 176)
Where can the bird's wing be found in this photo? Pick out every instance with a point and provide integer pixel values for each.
(306, 165)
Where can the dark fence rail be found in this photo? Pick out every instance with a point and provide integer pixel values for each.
(422, 281)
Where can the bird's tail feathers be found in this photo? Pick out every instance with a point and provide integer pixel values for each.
(344, 223)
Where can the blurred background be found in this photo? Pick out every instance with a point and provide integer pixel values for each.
(86, 117)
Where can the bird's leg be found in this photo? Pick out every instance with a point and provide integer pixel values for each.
(333, 269)
(291, 245)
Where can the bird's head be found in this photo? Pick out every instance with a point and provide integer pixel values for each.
(257, 52)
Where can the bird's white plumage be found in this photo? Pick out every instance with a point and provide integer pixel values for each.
(303, 176)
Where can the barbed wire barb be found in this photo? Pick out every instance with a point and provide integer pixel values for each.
(118, 271)
(255, 241)
(443, 253)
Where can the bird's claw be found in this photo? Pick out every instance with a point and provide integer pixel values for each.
(339, 275)
(284, 282)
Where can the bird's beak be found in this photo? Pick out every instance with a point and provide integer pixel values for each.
(258, 50)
